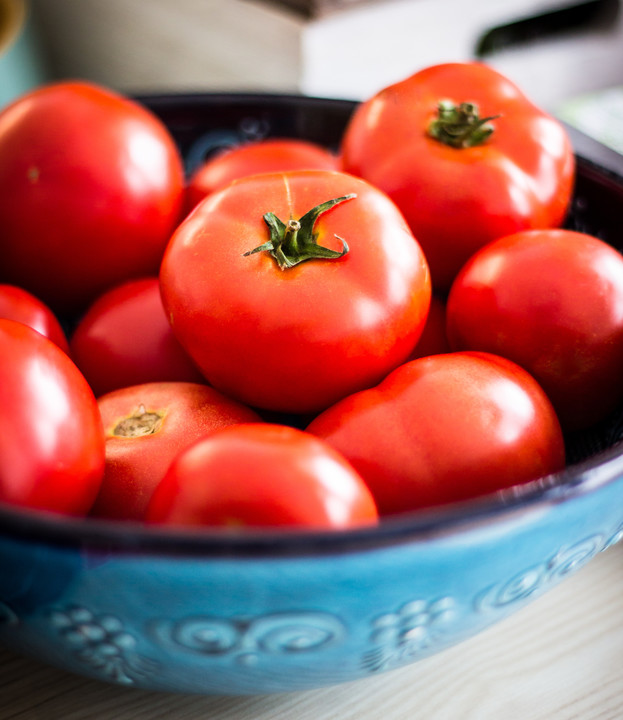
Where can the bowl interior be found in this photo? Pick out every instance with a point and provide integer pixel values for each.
(204, 123)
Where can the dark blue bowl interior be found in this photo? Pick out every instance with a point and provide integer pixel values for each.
(202, 124)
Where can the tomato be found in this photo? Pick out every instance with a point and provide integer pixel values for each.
(92, 188)
(262, 475)
(51, 438)
(552, 301)
(146, 426)
(446, 428)
(18, 304)
(465, 156)
(292, 317)
(269, 155)
(434, 339)
(125, 338)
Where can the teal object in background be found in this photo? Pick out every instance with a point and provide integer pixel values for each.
(21, 62)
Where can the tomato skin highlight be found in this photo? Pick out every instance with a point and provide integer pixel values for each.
(136, 464)
(446, 428)
(51, 437)
(295, 340)
(551, 301)
(92, 187)
(251, 158)
(458, 199)
(125, 339)
(18, 304)
(262, 475)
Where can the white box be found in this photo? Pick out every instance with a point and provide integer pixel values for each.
(338, 48)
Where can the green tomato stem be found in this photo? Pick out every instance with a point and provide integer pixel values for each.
(295, 242)
(460, 126)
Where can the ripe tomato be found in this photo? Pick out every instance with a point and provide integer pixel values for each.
(92, 188)
(273, 155)
(552, 301)
(145, 427)
(286, 335)
(262, 475)
(51, 439)
(445, 428)
(18, 304)
(465, 156)
(125, 339)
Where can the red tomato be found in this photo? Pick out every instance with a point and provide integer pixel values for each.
(446, 428)
(434, 339)
(92, 188)
(262, 475)
(286, 335)
(274, 155)
(125, 339)
(51, 439)
(146, 426)
(18, 304)
(459, 183)
(552, 301)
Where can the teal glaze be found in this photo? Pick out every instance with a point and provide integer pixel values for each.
(22, 65)
(274, 612)
(270, 623)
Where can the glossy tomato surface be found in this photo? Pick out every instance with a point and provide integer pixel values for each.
(446, 428)
(146, 426)
(456, 199)
(92, 188)
(18, 304)
(51, 438)
(262, 475)
(298, 338)
(125, 339)
(269, 155)
(552, 301)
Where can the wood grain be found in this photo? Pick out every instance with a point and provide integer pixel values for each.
(557, 659)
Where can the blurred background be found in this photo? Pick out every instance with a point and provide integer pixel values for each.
(567, 55)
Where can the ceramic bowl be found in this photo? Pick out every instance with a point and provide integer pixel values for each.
(280, 611)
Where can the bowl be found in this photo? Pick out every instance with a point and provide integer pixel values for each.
(276, 611)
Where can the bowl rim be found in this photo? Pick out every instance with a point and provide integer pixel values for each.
(588, 151)
(506, 505)
(572, 482)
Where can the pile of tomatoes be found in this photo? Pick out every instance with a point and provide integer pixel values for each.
(290, 336)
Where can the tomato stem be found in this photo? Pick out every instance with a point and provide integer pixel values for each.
(140, 423)
(295, 241)
(460, 126)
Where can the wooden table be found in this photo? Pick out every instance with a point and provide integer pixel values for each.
(560, 658)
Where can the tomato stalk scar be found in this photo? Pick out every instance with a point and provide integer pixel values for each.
(140, 423)
(33, 174)
(460, 126)
(296, 241)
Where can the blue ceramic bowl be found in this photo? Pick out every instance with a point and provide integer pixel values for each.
(280, 611)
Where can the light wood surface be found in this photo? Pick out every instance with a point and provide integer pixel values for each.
(559, 658)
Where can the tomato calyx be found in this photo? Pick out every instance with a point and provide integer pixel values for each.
(295, 241)
(140, 423)
(460, 126)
